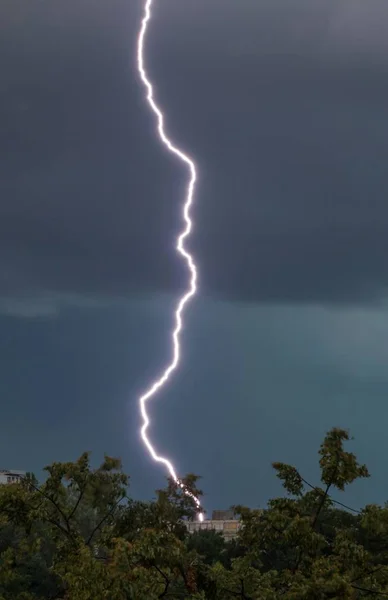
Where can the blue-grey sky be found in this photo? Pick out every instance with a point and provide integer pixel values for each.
(283, 103)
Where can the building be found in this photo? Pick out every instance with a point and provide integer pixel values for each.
(11, 476)
(222, 521)
(223, 515)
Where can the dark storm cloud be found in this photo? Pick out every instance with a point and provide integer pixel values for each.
(283, 104)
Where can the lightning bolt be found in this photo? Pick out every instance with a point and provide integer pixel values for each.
(180, 247)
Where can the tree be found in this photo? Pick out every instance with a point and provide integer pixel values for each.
(209, 544)
(100, 542)
(301, 546)
(79, 536)
(71, 515)
(172, 507)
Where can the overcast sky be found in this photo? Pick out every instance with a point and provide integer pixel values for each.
(283, 104)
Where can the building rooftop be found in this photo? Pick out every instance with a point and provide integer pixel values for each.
(11, 475)
(223, 515)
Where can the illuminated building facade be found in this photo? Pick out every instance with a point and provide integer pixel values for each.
(11, 476)
(222, 521)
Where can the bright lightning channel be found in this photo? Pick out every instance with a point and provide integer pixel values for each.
(192, 288)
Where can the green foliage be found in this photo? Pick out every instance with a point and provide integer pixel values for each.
(302, 546)
(78, 536)
(210, 545)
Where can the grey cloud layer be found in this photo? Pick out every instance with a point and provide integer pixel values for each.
(287, 121)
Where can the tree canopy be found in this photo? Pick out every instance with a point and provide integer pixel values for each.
(80, 536)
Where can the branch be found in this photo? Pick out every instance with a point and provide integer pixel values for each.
(366, 590)
(61, 528)
(358, 512)
(166, 582)
(243, 596)
(104, 519)
(326, 492)
(182, 572)
(58, 508)
(78, 502)
(321, 504)
(319, 509)
(371, 572)
(237, 594)
(58, 595)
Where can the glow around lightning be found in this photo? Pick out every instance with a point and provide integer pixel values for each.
(192, 287)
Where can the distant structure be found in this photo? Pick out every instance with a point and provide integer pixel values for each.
(223, 515)
(7, 476)
(222, 521)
